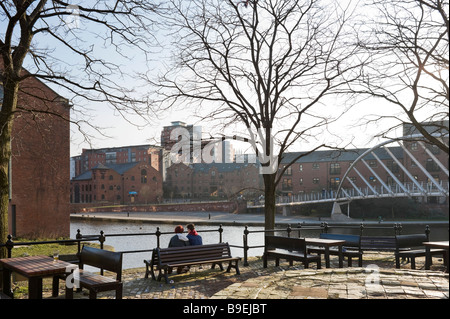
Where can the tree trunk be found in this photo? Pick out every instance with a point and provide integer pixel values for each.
(6, 119)
(269, 200)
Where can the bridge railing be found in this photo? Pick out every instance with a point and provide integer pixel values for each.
(393, 190)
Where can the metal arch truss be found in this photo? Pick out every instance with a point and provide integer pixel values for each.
(413, 188)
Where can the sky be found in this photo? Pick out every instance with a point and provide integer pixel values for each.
(117, 131)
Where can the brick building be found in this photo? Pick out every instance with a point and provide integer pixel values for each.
(39, 166)
(218, 180)
(125, 183)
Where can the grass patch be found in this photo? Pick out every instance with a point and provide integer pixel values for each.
(50, 248)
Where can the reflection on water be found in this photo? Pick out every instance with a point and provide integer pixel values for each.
(231, 234)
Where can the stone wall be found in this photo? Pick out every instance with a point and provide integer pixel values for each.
(230, 207)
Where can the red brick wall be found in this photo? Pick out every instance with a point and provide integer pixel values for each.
(40, 163)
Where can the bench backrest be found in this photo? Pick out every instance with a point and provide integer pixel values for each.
(378, 242)
(191, 253)
(288, 243)
(103, 259)
(350, 240)
(410, 241)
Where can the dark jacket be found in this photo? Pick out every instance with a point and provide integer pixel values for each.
(195, 238)
(179, 240)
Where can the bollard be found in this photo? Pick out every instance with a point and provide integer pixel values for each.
(245, 237)
(220, 233)
(9, 245)
(158, 234)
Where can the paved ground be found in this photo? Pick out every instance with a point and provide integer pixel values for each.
(377, 279)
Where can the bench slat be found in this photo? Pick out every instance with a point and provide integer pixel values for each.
(378, 243)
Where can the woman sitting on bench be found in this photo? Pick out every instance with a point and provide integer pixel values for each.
(194, 237)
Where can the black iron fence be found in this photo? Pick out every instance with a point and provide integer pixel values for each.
(298, 230)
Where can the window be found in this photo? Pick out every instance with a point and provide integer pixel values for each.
(393, 166)
(111, 177)
(288, 171)
(431, 166)
(315, 166)
(316, 180)
(301, 181)
(414, 146)
(287, 184)
(300, 167)
(334, 182)
(434, 149)
(373, 163)
(144, 176)
(335, 168)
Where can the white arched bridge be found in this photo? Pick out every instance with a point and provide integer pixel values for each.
(375, 186)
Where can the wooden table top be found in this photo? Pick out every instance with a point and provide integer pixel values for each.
(35, 266)
(439, 244)
(326, 242)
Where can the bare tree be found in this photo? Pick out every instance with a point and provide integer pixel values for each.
(73, 48)
(408, 41)
(267, 65)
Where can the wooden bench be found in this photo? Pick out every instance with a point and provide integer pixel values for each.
(95, 283)
(290, 249)
(351, 249)
(411, 246)
(379, 243)
(165, 259)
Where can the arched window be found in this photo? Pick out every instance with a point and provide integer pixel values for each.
(144, 176)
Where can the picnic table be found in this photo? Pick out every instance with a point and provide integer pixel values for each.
(35, 268)
(435, 244)
(327, 243)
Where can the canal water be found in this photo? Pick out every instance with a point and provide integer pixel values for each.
(231, 234)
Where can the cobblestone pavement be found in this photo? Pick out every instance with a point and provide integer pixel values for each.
(377, 279)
